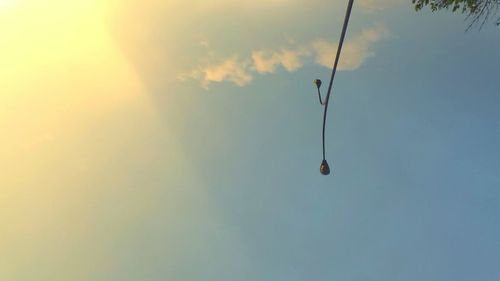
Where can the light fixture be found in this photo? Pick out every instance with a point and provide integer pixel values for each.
(324, 167)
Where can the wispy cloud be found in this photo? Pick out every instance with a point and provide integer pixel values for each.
(217, 5)
(260, 33)
(232, 69)
(355, 51)
(377, 5)
(266, 61)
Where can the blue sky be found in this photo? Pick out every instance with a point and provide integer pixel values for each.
(190, 149)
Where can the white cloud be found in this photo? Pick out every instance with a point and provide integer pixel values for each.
(205, 43)
(261, 33)
(267, 61)
(355, 51)
(215, 5)
(377, 5)
(239, 71)
(232, 69)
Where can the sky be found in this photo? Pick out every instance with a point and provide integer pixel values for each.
(181, 140)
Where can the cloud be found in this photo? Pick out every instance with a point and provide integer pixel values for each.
(239, 71)
(267, 61)
(260, 33)
(355, 51)
(217, 5)
(39, 141)
(232, 69)
(377, 5)
(205, 43)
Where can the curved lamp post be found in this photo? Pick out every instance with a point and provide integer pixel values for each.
(324, 168)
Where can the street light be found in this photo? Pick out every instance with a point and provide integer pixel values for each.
(324, 168)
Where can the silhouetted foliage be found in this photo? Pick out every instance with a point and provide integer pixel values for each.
(478, 11)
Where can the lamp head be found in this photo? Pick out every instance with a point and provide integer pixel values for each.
(324, 168)
(317, 82)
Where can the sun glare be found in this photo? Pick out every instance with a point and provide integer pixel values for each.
(6, 3)
(53, 44)
(58, 64)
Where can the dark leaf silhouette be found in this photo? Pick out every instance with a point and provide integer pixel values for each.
(478, 11)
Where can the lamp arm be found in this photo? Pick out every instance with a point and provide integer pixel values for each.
(322, 102)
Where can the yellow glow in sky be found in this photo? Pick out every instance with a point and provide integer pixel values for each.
(59, 70)
(58, 58)
(75, 122)
(6, 3)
